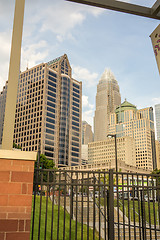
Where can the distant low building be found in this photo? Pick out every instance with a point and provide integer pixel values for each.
(84, 154)
(104, 151)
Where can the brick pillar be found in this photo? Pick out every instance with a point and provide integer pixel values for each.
(16, 186)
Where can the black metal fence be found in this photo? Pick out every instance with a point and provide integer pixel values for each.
(95, 205)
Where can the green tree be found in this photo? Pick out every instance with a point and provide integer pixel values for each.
(157, 172)
(44, 163)
(16, 146)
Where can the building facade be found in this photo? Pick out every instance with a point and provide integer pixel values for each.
(107, 99)
(87, 134)
(3, 95)
(158, 153)
(138, 124)
(104, 151)
(49, 106)
(157, 114)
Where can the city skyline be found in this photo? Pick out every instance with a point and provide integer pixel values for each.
(93, 39)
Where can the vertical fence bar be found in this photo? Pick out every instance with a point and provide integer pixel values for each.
(149, 211)
(139, 212)
(53, 189)
(111, 206)
(158, 197)
(94, 214)
(133, 201)
(108, 227)
(144, 210)
(142, 214)
(128, 201)
(99, 196)
(117, 183)
(105, 218)
(77, 204)
(82, 207)
(71, 206)
(88, 207)
(123, 206)
(154, 213)
(64, 216)
(59, 203)
(40, 206)
(45, 231)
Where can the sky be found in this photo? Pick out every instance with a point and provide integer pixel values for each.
(93, 39)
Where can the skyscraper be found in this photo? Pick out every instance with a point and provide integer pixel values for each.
(49, 105)
(138, 124)
(3, 95)
(107, 99)
(157, 113)
(87, 137)
(87, 134)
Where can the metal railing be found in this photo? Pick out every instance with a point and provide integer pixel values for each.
(95, 205)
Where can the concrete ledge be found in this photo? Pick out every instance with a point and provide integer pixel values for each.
(18, 155)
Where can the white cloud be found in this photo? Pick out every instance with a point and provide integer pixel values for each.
(59, 17)
(5, 39)
(156, 100)
(83, 74)
(88, 117)
(34, 54)
(85, 102)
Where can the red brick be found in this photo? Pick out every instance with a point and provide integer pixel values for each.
(28, 209)
(19, 215)
(20, 200)
(30, 188)
(22, 177)
(21, 225)
(24, 188)
(8, 209)
(28, 225)
(3, 200)
(2, 236)
(18, 236)
(7, 225)
(10, 188)
(4, 176)
(3, 215)
(5, 161)
(22, 162)
(17, 168)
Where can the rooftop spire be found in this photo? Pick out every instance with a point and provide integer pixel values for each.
(107, 75)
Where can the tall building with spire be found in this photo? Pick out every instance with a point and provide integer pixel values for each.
(107, 99)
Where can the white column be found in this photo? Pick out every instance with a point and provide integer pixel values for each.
(13, 76)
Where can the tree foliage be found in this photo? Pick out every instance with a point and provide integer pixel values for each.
(16, 146)
(157, 172)
(44, 162)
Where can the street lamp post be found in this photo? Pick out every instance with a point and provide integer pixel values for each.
(115, 138)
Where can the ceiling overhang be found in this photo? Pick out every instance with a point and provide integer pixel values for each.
(149, 12)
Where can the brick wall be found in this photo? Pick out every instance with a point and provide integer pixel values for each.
(16, 184)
